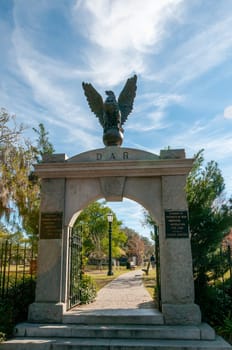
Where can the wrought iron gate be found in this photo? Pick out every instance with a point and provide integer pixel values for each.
(157, 259)
(75, 267)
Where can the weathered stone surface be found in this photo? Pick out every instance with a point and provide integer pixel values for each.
(129, 331)
(46, 312)
(172, 154)
(113, 153)
(113, 344)
(177, 292)
(207, 332)
(53, 158)
(185, 314)
(52, 195)
(49, 270)
(112, 187)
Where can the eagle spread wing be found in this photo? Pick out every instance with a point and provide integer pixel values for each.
(95, 101)
(126, 98)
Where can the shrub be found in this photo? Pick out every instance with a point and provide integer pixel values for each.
(14, 305)
(226, 329)
(6, 318)
(219, 297)
(88, 290)
(2, 337)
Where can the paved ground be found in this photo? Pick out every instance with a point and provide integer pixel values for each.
(125, 292)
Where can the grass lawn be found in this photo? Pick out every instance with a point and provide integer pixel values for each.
(149, 281)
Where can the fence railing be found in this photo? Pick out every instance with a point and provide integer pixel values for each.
(18, 262)
(221, 265)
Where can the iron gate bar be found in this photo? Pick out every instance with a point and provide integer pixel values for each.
(75, 267)
(4, 268)
(8, 270)
(17, 257)
(157, 259)
(24, 261)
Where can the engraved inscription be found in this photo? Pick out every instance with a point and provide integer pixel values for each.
(99, 156)
(176, 224)
(125, 155)
(113, 156)
(51, 225)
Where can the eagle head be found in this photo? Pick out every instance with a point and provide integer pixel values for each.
(110, 97)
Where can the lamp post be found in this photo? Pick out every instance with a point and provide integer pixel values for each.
(110, 220)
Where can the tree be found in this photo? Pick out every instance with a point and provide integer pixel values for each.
(149, 247)
(43, 146)
(29, 201)
(19, 189)
(93, 224)
(134, 245)
(210, 215)
(10, 134)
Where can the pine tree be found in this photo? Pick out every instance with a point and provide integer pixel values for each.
(210, 215)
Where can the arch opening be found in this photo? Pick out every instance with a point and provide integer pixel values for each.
(135, 251)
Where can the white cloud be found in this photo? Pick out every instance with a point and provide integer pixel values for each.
(153, 121)
(109, 68)
(117, 26)
(203, 51)
(159, 100)
(153, 106)
(211, 136)
(47, 79)
(228, 112)
(122, 34)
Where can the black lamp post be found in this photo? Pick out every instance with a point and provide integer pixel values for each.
(110, 220)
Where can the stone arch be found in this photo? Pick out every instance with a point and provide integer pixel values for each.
(69, 185)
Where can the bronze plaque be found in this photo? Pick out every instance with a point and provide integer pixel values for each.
(176, 224)
(51, 225)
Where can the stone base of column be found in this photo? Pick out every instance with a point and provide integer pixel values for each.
(46, 312)
(181, 314)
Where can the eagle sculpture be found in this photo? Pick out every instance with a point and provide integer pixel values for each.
(112, 114)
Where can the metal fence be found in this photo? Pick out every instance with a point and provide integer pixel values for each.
(221, 266)
(18, 262)
(75, 267)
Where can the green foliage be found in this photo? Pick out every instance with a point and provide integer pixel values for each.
(14, 306)
(93, 224)
(43, 146)
(88, 290)
(210, 216)
(226, 329)
(19, 187)
(30, 204)
(210, 219)
(214, 302)
(2, 337)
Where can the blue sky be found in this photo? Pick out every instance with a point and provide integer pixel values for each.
(180, 50)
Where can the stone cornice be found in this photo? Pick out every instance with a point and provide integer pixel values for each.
(114, 168)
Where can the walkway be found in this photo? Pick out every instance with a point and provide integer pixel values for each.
(124, 300)
(125, 292)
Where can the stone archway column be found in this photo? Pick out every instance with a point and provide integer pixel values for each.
(177, 288)
(48, 305)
